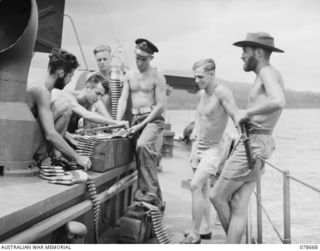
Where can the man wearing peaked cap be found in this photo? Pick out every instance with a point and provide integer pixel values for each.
(145, 48)
(147, 89)
(265, 105)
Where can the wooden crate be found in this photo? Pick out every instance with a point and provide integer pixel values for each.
(112, 153)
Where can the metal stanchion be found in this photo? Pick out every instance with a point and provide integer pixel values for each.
(286, 207)
(259, 208)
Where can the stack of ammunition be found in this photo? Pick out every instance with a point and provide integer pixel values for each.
(86, 145)
(56, 175)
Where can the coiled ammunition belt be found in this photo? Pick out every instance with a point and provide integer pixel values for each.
(159, 229)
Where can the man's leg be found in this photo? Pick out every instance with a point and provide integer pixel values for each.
(220, 196)
(40, 146)
(207, 216)
(61, 110)
(200, 202)
(239, 212)
(147, 160)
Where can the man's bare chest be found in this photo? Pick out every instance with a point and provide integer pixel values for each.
(208, 107)
(257, 91)
(141, 84)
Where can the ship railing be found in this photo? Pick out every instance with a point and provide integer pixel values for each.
(286, 237)
(78, 40)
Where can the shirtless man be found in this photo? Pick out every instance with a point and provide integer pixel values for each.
(53, 122)
(147, 90)
(81, 102)
(215, 106)
(102, 54)
(232, 191)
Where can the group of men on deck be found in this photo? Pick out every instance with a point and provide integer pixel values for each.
(145, 87)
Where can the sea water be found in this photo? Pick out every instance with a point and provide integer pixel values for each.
(297, 137)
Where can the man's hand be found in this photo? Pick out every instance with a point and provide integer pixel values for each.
(135, 128)
(192, 137)
(242, 118)
(84, 162)
(124, 122)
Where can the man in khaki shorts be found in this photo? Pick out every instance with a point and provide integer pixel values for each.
(233, 190)
(215, 106)
(146, 87)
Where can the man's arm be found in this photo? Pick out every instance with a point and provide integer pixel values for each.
(42, 100)
(195, 130)
(275, 95)
(123, 100)
(92, 116)
(160, 103)
(226, 98)
(101, 108)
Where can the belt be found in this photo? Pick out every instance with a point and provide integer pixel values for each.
(204, 142)
(141, 110)
(260, 131)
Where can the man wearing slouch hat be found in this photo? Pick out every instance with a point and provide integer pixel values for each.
(266, 101)
(146, 87)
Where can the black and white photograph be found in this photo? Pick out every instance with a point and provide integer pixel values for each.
(159, 122)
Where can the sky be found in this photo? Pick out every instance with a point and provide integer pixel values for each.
(189, 30)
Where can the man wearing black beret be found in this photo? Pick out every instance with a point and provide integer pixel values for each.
(147, 90)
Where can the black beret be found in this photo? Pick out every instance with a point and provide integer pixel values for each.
(146, 46)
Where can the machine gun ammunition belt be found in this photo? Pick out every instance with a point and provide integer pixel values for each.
(157, 223)
(96, 207)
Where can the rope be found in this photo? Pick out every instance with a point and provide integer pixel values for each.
(269, 219)
(278, 169)
(304, 183)
(290, 176)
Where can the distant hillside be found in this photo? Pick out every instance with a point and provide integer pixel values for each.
(180, 99)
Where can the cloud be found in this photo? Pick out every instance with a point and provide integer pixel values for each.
(188, 30)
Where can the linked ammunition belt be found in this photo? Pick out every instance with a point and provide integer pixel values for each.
(159, 229)
(96, 207)
(85, 147)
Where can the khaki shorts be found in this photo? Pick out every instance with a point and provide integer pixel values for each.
(236, 167)
(206, 156)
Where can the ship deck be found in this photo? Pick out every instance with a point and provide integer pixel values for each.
(177, 217)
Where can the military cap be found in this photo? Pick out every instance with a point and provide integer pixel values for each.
(145, 48)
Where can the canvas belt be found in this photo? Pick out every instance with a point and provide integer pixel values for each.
(141, 110)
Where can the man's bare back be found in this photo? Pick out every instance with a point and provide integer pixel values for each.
(36, 90)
